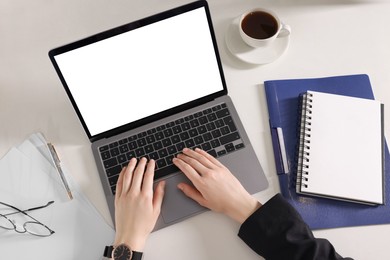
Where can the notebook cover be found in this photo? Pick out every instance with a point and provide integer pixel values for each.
(282, 101)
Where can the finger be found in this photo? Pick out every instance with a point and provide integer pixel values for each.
(209, 157)
(194, 163)
(192, 193)
(187, 169)
(128, 176)
(158, 197)
(119, 183)
(147, 184)
(199, 158)
(138, 174)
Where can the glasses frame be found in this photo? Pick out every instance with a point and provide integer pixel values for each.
(51, 232)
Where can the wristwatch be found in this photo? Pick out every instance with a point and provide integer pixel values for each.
(121, 252)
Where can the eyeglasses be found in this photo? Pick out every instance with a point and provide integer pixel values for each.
(35, 227)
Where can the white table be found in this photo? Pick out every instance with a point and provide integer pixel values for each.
(328, 38)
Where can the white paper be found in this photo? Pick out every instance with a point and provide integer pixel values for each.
(27, 179)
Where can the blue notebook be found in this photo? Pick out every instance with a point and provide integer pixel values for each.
(283, 101)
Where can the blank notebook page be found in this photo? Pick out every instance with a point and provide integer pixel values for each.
(346, 148)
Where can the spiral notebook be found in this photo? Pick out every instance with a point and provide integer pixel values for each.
(341, 148)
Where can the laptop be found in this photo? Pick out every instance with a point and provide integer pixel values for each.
(150, 88)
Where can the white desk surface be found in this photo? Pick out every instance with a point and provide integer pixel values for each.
(329, 37)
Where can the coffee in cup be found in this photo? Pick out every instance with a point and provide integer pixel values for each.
(259, 27)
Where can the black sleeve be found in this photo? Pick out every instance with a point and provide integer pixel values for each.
(277, 231)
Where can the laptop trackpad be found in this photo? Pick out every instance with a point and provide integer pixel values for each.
(176, 204)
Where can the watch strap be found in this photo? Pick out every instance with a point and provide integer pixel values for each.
(136, 255)
(108, 253)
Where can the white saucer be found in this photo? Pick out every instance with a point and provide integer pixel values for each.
(260, 55)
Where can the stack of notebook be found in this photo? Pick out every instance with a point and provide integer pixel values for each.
(332, 207)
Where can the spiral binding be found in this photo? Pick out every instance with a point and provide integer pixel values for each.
(304, 141)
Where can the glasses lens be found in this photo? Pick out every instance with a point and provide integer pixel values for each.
(6, 223)
(37, 229)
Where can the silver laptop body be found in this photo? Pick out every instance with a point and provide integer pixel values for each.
(150, 88)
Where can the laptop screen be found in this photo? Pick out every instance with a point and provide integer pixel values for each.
(140, 72)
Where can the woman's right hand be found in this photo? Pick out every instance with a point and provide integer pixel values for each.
(215, 187)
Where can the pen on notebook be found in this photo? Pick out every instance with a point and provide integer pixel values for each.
(57, 163)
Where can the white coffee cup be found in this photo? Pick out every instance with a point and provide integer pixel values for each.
(259, 27)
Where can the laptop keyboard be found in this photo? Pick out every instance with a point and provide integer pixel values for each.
(212, 130)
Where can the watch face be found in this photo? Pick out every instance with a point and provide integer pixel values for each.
(122, 252)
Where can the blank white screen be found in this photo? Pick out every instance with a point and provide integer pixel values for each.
(142, 72)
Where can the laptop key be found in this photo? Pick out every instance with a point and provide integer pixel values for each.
(124, 148)
(130, 155)
(113, 179)
(148, 148)
(211, 117)
(141, 142)
(150, 139)
(157, 145)
(194, 123)
(113, 170)
(154, 156)
(212, 152)
(188, 118)
(198, 140)
(229, 138)
(176, 129)
(168, 132)
(105, 155)
(169, 159)
(229, 121)
(180, 146)
(140, 152)
(114, 152)
(113, 189)
(110, 163)
(219, 123)
(229, 147)
(193, 132)
(114, 144)
(198, 114)
(133, 145)
(203, 120)
(239, 146)
(122, 158)
(185, 126)
(216, 133)
(166, 142)
(225, 130)
(211, 126)
(164, 171)
(206, 146)
(222, 113)
(161, 163)
(172, 149)
(207, 137)
(189, 143)
(215, 143)
(132, 138)
(222, 152)
(123, 141)
(103, 148)
(175, 139)
(163, 152)
(184, 136)
(202, 129)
